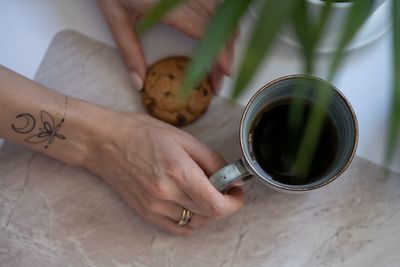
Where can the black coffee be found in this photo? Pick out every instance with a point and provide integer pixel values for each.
(275, 147)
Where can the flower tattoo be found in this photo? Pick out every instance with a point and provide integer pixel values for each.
(48, 132)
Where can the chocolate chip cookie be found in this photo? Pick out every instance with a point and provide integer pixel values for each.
(161, 97)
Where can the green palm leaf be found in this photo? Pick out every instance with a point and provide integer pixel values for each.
(309, 34)
(219, 30)
(394, 126)
(303, 29)
(272, 16)
(358, 14)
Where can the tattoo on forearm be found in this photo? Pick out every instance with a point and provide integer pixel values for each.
(30, 123)
(48, 131)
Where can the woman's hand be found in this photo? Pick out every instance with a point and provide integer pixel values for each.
(159, 170)
(190, 17)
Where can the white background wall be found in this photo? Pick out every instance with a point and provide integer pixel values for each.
(28, 26)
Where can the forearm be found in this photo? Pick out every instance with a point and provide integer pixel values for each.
(45, 120)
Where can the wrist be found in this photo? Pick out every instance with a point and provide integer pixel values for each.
(84, 129)
(107, 133)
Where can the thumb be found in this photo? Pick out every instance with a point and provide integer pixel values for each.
(121, 25)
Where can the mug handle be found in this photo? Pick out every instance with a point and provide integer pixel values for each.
(229, 174)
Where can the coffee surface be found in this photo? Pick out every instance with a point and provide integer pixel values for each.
(275, 144)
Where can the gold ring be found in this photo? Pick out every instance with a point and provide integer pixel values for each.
(185, 217)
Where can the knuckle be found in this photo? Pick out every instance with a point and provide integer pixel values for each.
(152, 207)
(216, 211)
(172, 168)
(195, 174)
(159, 190)
(216, 161)
(174, 171)
(216, 158)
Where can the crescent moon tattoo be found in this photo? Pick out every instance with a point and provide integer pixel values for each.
(30, 124)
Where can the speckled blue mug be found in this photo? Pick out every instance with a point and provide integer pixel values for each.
(339, 109)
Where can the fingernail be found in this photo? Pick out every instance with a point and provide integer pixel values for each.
(238, 183)
(136, 81)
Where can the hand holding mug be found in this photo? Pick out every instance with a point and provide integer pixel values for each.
(160, 171)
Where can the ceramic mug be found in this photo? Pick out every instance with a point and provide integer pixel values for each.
(334, 25)
(338, 16)
(339, 110)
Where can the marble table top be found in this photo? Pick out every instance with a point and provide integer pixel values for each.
(52, 214)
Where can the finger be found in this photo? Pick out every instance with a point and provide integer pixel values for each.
(174, 212)
(216, 78)
(121, 26)
(217, 204)
(159, 220)
(187, 21)
(197, 222)
(238, 183)
(199, 8)
(169, 210)
(192, 20)
(169, 225)
(156, 202)
(187, 202)
(209, 5)
(208, 160)
(205, 195)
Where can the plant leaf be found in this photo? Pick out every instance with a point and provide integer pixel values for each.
(394, 127)
(303, 29)
(220, 28)
(156, 14)
(309, 34)
(323, 19)
(357, 16)
(312, 132)
(272, 16)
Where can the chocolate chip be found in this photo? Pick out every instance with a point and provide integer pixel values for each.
(181, 119)
(171, 76)
(168, 93)
(150, 103)
(205, 92)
